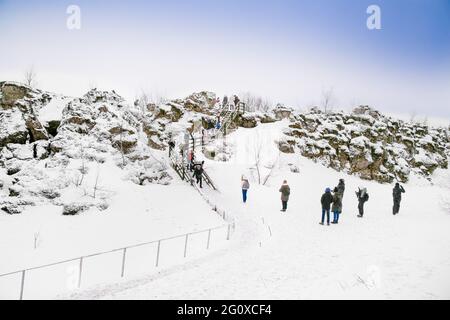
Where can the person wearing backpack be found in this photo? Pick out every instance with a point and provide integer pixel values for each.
(198, 172)
(340, 189)
(337, 206)
(285, 192)
(245, 186)
(397, 195)
(363, 197)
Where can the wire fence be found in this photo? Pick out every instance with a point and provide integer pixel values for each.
(124, 252)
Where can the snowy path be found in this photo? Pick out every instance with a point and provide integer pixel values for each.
(379, 256)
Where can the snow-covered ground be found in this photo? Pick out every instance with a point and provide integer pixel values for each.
(275, 255)
(136, 214)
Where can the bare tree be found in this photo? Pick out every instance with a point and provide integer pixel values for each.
(255, 103)
(121, 138)
(271, 168)
(328, 99)
(83, 169)
(37, 235)
(257, 151)
(142, 102)
(412, 116)
(96, 181)
(264, 104)
(146, 98)
(92, 85)
(30, 76)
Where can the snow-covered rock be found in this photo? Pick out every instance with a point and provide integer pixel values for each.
(369, 144)
(42, 133)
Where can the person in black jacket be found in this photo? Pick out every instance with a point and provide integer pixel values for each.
(198, 172)
(397, 195)
(363, 197)
(326, 200)
(171, 147)
(225, 101)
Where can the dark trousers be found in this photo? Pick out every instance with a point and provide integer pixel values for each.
(244, 195)
(199, 180)
(396, 207)
(284, 205)
(361, 208)
(327, 211)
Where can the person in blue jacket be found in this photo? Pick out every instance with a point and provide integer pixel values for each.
(218, 124)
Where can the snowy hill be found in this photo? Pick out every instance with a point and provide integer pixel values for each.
(84, 175)
(289, 255)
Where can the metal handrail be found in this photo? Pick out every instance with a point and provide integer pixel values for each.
(111, 251)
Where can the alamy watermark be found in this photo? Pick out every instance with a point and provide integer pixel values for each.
(374, 20)
(73, 21)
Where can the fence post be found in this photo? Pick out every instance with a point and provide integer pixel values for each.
(203, 143)
(185, 244)
(209, 238)
(123, 261)
(22, 285)
(157, 253)
(80, 272)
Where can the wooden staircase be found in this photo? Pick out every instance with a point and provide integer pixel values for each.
(181, 168)
(227, 115)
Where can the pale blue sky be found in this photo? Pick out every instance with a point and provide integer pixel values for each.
(286, 50)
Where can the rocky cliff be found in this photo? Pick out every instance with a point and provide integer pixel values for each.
(368, 144)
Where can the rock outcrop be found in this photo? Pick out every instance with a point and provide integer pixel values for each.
(369, 144)
(43, 134)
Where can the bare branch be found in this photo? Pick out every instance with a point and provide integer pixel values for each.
(96, 181)
(30, 76)
(328, 99)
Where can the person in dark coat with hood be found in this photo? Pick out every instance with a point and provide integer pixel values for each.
(341, 187)
(326, 200)
(198, 172)
(224, 101)
(340, 191)
(337, 206)
(397, 195)
(363, 197)
(171, 147)
(285, 192)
